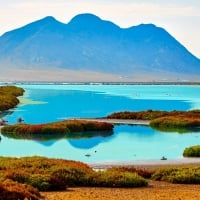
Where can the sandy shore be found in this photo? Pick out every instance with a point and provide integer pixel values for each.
(146, 163)
(155, 191)
(119, 121)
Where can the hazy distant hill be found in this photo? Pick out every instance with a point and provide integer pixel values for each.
(88, 43)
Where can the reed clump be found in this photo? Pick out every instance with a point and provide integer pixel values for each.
(193, 151)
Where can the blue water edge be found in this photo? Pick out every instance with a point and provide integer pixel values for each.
(48, 103)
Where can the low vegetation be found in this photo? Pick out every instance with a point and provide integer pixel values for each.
(193, 151)
(141, 115)
(143, 172)
(180, 121)
(112, 178)
(45, 174)
(62, 129)
(10, 190)
(152, 114)
(184, 121)
(181, 175)
(24, 177)
(8, 97)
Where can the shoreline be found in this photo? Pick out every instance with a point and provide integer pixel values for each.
(196, 83)
(117, 121)
(144, 163)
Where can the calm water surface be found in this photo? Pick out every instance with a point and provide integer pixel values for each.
(47, 103)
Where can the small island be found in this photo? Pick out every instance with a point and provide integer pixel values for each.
(66, 129)
(174, 121)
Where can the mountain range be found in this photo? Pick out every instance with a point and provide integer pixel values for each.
(89, 48)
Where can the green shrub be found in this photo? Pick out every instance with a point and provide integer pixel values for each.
(183, 175)
(193, 151)
(116, 179)
(145, 173)
(41, 181)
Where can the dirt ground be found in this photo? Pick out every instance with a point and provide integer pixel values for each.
(155, 191)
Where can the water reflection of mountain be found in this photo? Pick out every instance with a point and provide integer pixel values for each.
(47, 143)
(87, 143)
(76, 139)
(137, 131)
(89, 140)
(83, 140)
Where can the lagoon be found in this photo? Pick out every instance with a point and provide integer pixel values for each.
(47, 103)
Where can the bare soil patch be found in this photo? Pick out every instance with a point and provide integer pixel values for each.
(155, 191)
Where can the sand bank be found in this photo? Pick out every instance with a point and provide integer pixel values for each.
(146, 163)
(119, 121)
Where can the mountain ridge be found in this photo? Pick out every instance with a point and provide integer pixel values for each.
(88, 43)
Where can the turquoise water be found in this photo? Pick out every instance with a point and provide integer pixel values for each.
(56, 102)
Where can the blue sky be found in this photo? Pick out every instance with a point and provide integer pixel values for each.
(181, 18)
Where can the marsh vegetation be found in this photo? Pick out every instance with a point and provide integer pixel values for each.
(28, 176)
(174, 121)
(8, 97)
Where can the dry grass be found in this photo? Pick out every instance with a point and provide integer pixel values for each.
(156, 191)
